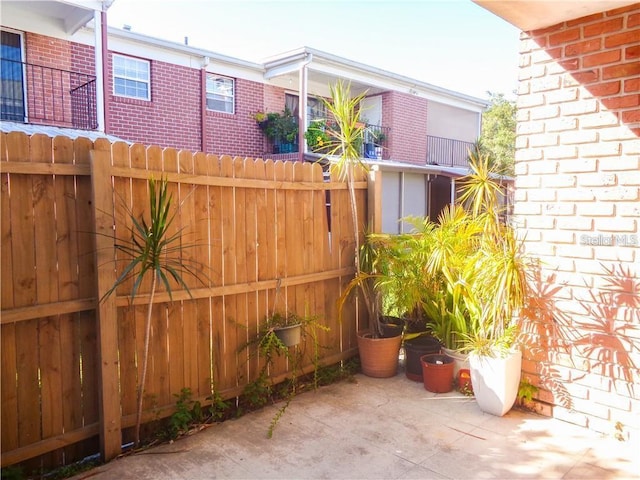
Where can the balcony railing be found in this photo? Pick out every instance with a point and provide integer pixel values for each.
(448, 152)
(47, 96)
(374, 139)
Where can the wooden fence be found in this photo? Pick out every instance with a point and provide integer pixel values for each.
(70, 364)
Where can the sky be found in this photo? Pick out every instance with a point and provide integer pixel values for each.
(453, 44)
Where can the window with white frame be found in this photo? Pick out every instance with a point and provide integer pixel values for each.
(220, 93)
(131, 77)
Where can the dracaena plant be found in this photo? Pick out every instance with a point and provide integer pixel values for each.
(153, 251)
(346, 133)
(499, 268)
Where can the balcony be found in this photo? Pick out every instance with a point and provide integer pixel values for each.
(374, 139)
(448, 152)
(47, 96)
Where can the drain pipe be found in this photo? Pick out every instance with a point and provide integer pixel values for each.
(302, 107)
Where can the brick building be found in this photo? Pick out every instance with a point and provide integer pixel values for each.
(154, 91)
(577, 200)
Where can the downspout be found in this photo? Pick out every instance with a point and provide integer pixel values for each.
(104, 49)
(203, 104)
(302, 107)
(99, 23)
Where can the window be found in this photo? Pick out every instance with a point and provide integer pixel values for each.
(12, 104)
(131, 77)
(316, 109)
(220, 93)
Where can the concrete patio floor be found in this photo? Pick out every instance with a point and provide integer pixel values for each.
(383, 429)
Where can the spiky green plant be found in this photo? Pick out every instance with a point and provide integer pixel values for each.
(346, 139)
(153, 250)
(499, 269)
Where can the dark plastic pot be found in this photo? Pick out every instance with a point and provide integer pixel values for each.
(413, 350)
(437, 372)
(289, 335)
(391, 326)
(416, 348)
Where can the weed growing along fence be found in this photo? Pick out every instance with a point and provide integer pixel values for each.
(70, 364)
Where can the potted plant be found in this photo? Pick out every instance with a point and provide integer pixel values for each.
(378, 355)
(430, 286)
(280, 128)
(497, 293)
(287, 328)
(280, 336)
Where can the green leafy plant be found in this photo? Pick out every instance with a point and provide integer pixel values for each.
(154, 251)
(187, 413)
(12, 472)
(376, 135)
(526, 391)
(218, 408)
(269, 346)
(317, 138)
(281, 127)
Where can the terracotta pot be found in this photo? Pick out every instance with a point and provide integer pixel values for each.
(378, 356)
(437, 372)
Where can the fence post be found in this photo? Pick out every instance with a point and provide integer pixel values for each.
(103, 208)
(374, 199)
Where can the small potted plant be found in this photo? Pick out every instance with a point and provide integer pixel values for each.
(287, 328)
(280, 128)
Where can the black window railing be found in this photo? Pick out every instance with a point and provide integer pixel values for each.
(47, 96)
(374, 139)
(448, 152)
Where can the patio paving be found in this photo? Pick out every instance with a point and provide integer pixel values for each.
(383, 429)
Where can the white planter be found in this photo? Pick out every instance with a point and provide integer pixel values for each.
(460, 361)
(495, 381)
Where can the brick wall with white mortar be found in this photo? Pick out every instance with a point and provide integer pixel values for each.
(577, 202)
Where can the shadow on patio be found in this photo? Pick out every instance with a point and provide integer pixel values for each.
(391, 428)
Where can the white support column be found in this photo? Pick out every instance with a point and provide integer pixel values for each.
(302, 111)
(99, 64)
(453, 191)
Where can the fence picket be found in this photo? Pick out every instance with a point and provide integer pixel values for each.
(228, 314)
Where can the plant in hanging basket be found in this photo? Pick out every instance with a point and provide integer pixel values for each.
(286, 328)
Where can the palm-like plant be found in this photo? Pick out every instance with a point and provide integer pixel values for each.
(499, 268)
(153, 251)
(346, 139)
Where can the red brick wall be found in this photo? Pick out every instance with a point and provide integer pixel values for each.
(48, 99)
(407, 116)
(48, 51)
(238, 134)
(578, 202)
(170, 119)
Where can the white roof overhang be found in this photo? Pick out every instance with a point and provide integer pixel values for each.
(535, 14)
